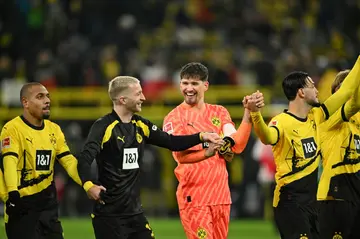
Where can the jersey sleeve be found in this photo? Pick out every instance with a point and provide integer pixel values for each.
(341, 115)
(335, 101)
(90, 151)
(10, 150)
(62, 148)
(160, 138)
(174, 126)
(3, 191)
(10, 144)
(268, 134)
(225, 117)
(65, 158)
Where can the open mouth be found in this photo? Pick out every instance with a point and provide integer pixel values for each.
(47, 109)
(190, 94)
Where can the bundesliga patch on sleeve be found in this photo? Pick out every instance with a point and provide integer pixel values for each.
(5, 143)
(168, 128)
(273, 123)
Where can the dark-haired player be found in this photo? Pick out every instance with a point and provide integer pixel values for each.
(295, 137)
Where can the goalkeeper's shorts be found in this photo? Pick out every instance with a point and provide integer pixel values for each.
(210, 222)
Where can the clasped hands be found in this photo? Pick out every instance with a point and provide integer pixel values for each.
(218, 144)
(254, 102)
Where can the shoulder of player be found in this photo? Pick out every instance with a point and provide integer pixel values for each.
(104, 121)
(355, 118)
(49, 123)
(214, 107)
(280, 118)
(137, 118)
(13, 123)
(174, 113)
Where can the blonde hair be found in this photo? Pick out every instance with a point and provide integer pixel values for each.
(119, 84)
(339, 78)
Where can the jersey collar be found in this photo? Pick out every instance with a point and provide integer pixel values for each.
(115, 115)
(292, 115)
(32, 126)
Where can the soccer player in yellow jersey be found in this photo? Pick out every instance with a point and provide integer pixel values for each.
(295, 138)
(339, 186)
(30, 144)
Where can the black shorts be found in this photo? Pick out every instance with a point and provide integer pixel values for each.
(339, 218)
(296, 221)
(35, 224)
(134, 227)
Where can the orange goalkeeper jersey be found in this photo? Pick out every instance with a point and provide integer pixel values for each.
(205, 182)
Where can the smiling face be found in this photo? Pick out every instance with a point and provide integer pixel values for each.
(36, 101)
(193, 90)
(133, 97)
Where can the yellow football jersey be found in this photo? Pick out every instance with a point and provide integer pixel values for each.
(35, 150)
(340, 147)
(296, 155)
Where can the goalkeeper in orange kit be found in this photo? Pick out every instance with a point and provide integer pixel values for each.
(203, 193)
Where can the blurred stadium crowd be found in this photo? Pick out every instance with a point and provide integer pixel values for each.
(85, 43)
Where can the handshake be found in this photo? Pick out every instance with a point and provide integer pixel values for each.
(218, 144)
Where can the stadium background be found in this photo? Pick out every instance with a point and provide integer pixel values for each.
(74, 47)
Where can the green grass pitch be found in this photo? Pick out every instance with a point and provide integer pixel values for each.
(80, 228)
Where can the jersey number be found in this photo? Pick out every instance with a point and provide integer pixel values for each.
(130, 158)
(357, 143)
(43, 160)
(309, 147)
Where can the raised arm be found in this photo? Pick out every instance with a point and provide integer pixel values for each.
(241, 136)
(347, 89)
(267, 134)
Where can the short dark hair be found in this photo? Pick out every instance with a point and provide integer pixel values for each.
(293, 82)
(339, 78)
(25, 89)
(194, 70)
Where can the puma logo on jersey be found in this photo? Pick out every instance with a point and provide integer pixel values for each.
(121, 138)
(30, 140)
(296, 131)
(190, 124)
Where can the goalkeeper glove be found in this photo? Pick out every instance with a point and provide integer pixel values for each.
(226, 148)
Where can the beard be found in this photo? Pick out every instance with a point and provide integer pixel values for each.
(46, 116)
(314, 104)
